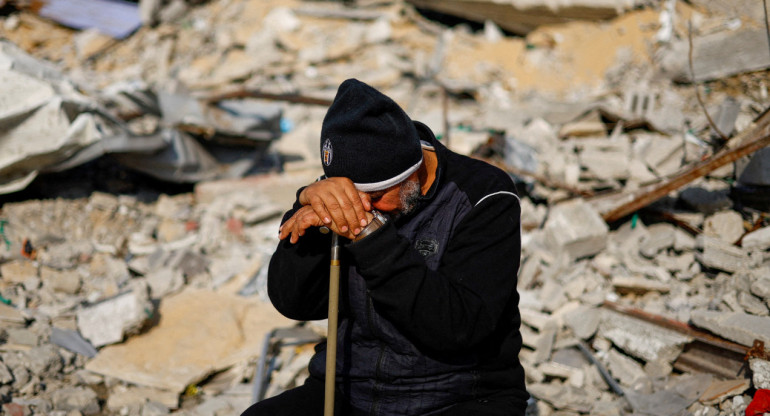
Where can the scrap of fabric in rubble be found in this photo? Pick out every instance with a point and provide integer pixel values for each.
(760, 404)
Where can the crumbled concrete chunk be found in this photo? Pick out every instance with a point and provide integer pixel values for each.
(739, 327)
(108, 321)
(641, 339)
(576, 229)
(760, 370)
(82, 399)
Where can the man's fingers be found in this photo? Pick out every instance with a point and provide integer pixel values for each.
(336, 200)
(295, 226)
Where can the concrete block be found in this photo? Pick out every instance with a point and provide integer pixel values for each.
(81, 399)
(752, 305)
(62, 281)
(5, 374)
(528, 299)
(659, 237)
(576, 229)
(563, 396)
(720, 255)
(658, 369)
(761, 287)
(552, 295)
(761, 373)
(544, 345)
(108, 321)
(538, 320)
(641, 339)
(757, 240)
(606, 165)
(624, 368)
(676, 263)
(683, 241)
(164, 281)
(584, 322)
(17, 271)
(724, 225)
(738, 327)
(10, 316)
(574, 376)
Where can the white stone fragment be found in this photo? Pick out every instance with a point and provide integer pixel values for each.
(576, 229)
(106, 322)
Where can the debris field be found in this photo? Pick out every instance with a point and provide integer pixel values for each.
(148, 150)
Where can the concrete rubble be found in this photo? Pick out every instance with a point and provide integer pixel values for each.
(143, 176)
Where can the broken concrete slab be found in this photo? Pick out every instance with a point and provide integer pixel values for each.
(107, 322)
(720, 255)
(641, 339)
(625, 369)
(719, 390)
(181, 349)
(670, 401)
(576, 229)
(717, 55)
(737, 326)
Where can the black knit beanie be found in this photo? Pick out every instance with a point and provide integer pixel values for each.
(368, 138)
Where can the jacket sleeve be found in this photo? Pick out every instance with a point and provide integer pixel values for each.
(460, 304)
(298, 275)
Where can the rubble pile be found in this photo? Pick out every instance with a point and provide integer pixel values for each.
(638, 142)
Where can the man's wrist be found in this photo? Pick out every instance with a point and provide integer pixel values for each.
(376, 223)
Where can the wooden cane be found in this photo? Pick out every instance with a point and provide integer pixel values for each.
(331, 333)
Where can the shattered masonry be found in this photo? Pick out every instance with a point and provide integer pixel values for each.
(645, 277)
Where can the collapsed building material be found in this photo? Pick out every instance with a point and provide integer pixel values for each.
(575, 229)
(108, 321)
(718, 55)
(617, 206)
(641, 339)
(199, 332)
(522, 16)
(738, 327)
(43, 105)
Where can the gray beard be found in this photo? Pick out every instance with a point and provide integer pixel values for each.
(409, 196)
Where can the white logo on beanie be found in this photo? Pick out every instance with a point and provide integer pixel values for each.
(327, 152)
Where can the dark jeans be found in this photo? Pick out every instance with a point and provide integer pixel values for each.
(308, 400)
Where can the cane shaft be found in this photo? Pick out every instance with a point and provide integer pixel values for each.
(331, 337)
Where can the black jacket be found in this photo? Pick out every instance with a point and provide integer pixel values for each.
(429, 308)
